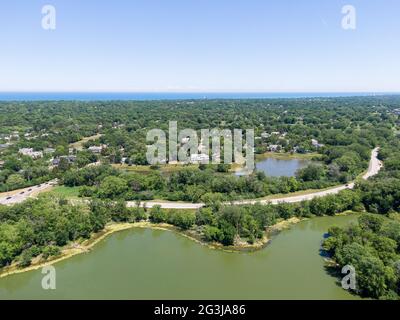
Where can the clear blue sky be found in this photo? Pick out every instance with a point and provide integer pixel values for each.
(200, 45)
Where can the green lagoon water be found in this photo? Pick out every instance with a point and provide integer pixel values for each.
(154, 264)
(278, 167)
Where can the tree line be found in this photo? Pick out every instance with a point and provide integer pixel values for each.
(372, 246)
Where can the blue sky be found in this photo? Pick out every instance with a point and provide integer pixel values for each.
(200, 45)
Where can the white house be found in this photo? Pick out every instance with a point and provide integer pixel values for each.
(316, 144)
(97, 149)
(274, 147)
(30, 153)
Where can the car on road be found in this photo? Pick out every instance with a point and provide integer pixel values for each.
(8, 198)
(29, 189)
(22, 192)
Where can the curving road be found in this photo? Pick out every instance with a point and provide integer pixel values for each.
(374, 166)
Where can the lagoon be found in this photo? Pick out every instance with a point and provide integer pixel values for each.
(274, 167)
(155, 264)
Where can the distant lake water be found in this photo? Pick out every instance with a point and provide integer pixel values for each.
(279, 167)
(143, 96)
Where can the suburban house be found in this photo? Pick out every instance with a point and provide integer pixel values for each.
(30, 153)
(316, 144)
(274, 147)
(56, 161)
(97, 149)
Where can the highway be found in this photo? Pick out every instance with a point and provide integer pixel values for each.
(21, 195)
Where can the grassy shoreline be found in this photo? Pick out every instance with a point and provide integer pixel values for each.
(287, 156)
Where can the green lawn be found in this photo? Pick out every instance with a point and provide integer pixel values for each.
(68, 192)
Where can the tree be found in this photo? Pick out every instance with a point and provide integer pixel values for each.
(311, 172)
(213, 200)
(64, 165)
(157, 215)
(392, 231)
(118, 211)
(61, 150)
(372, 276)
(50, 251)
(211, 233)
(99, 215)
(228, 233)
(182, 219)
(221, 167)
(385, 249)
(112, 187)
(25, 259)
(232, 215)
(371, 222)
(15, 181)
(348, 162)
(11, 244)
(205, 216)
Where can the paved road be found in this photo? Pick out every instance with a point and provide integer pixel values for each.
(374, 166)
(23, 194)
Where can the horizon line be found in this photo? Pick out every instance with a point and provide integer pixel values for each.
(198, 92)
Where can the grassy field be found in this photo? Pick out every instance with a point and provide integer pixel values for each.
(67, 192)
(79, 144)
